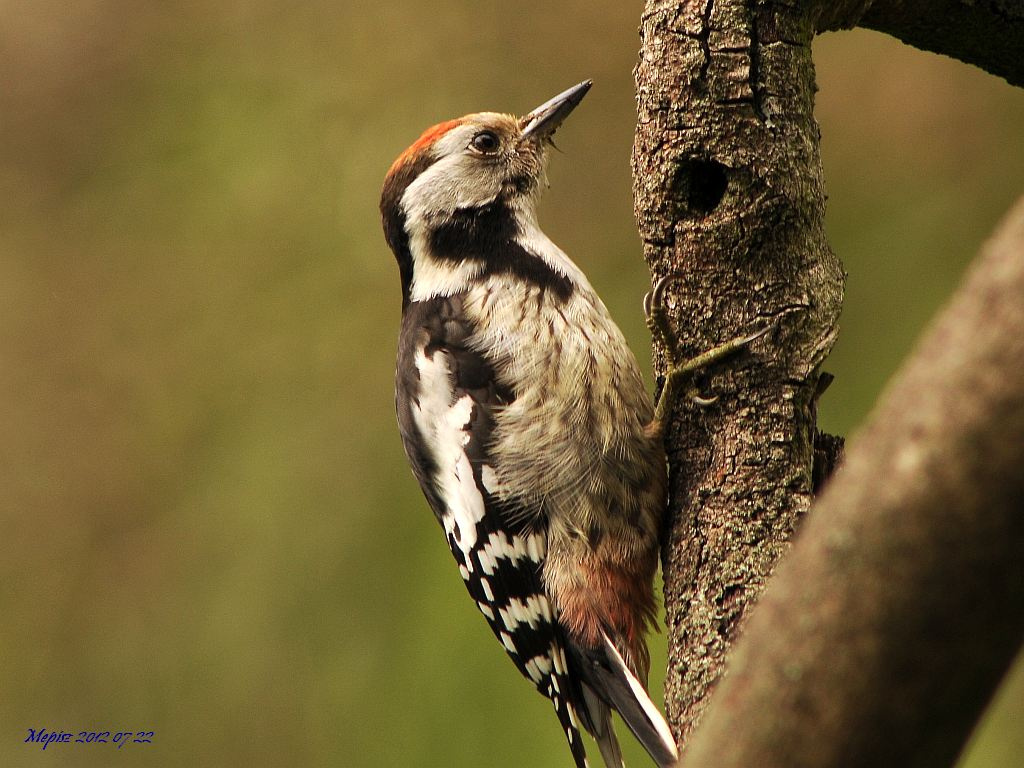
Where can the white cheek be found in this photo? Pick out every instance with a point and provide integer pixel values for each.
(457, 181)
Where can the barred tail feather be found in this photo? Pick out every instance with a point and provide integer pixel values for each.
(607, 674)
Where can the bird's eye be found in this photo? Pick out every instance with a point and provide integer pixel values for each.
(485, 141)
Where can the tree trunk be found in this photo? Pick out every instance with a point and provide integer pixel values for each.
(886, 631)
(729, 198)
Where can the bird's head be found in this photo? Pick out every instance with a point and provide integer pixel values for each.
(470, 164)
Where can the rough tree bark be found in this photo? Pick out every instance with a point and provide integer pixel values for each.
(729, 198)
(901, 605)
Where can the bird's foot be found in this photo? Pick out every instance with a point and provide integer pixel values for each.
(657, 318)
(683, 372)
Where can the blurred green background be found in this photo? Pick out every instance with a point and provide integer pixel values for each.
(208, 527)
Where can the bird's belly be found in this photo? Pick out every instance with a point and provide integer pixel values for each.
(574, 434)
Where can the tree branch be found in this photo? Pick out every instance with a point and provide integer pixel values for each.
(989, 35)
(888, 627)
(729, 197)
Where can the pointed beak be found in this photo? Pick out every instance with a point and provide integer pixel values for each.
(545, 119)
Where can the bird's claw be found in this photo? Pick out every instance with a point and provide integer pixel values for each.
(679, 372)
(742, 342)
(699, 400)
(657, 318)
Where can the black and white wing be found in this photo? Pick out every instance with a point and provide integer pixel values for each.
(446, 393)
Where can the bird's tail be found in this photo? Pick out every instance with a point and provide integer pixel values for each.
(598, 720)
(610, 679)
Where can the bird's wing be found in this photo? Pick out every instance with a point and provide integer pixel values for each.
(447, 393)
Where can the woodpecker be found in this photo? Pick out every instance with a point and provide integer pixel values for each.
(526, 422)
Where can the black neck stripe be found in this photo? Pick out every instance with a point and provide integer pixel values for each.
(487, 234)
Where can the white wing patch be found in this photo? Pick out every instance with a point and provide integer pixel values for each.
(489, 478)
(539, 668)
(530, 611)
(485, 585)
(500, 545)
(444, 427)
